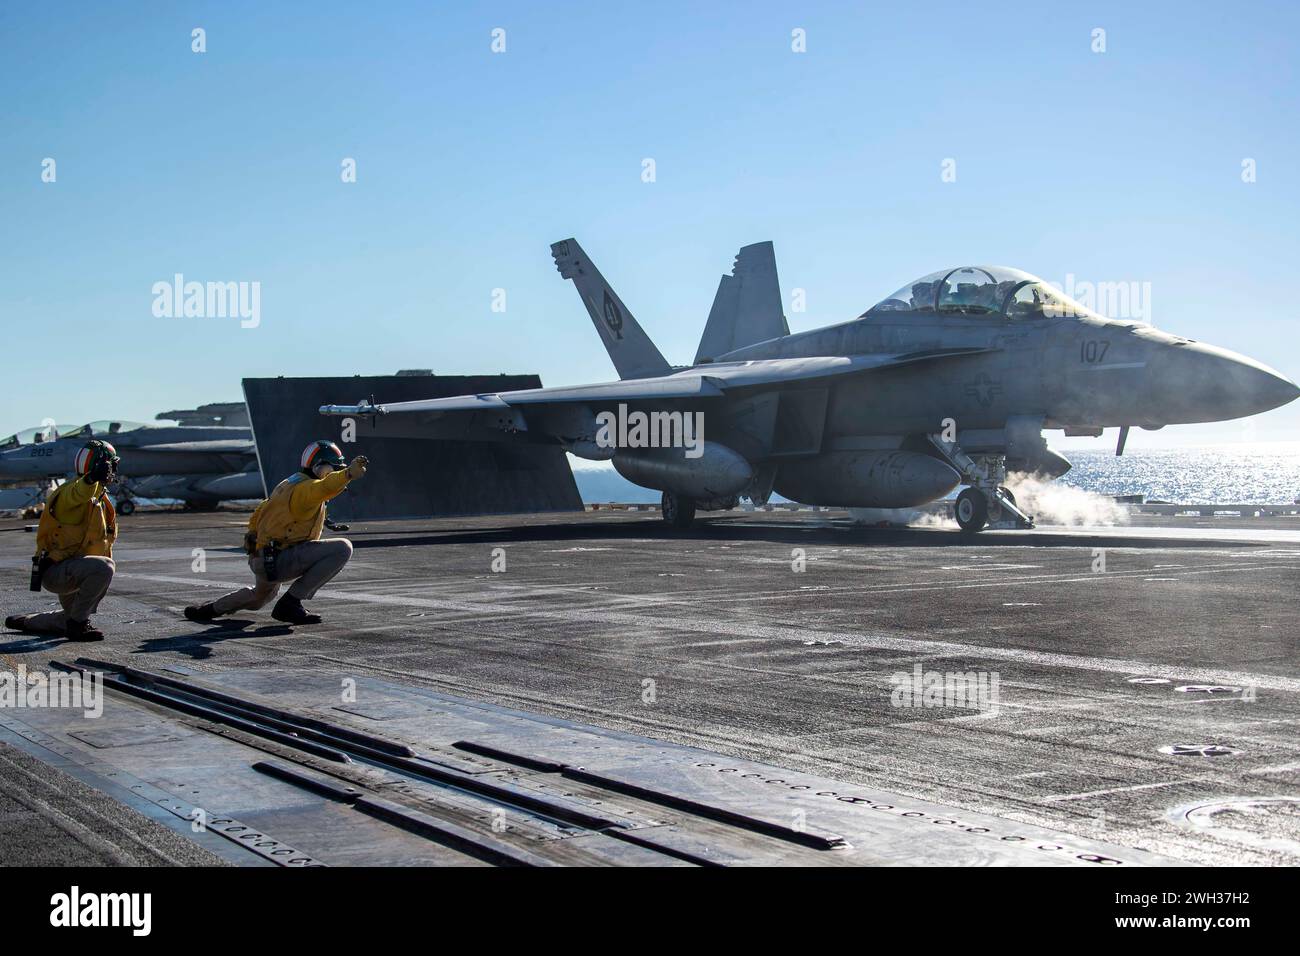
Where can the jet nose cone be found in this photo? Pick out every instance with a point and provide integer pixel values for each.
(1204, 383)
(1278, 390)
(1257, 387)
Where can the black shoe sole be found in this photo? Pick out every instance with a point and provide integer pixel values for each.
(290, 620)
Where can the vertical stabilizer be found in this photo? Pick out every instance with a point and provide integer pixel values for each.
(747, 308)
(629, 348)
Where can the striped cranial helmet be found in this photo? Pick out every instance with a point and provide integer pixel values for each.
(92, 453)
(322, 453)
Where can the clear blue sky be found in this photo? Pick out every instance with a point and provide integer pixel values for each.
(225, 166)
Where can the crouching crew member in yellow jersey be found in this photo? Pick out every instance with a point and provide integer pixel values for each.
(74, 548)
(283, 540)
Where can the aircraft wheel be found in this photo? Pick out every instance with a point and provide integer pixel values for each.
(678, 511)
(971, 510)
(126, 506)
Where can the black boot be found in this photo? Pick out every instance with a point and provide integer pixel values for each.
(82, 631)
(17, 622)
(203, 613)
(290, 610)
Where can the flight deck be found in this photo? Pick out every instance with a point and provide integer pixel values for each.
(598, 688)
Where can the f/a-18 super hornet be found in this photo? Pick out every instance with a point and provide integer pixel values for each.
(950, 381)
(201, 466)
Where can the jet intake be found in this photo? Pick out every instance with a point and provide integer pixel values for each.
(866, 479)
(719, 471)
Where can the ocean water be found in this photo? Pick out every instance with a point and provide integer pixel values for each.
(1267, 473)
(1264, 473)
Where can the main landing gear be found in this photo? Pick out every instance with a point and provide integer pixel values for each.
(677, 510)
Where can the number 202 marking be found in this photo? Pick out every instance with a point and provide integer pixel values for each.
(1093, 350)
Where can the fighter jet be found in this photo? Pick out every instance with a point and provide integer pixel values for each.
(950, 381)
(200, 466)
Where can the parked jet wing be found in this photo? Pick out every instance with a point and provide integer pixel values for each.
(218, 446)
(705, 381)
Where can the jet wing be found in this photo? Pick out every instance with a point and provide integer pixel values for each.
(703, 381)
(631, 390)
(223, 446)
(762, 373)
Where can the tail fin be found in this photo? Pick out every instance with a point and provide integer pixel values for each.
(747, 308)
(629, 348)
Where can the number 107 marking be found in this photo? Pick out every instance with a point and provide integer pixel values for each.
(1093, 350)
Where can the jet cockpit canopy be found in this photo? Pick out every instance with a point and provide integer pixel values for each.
(32, 436)
(981, 290)
(104, 429)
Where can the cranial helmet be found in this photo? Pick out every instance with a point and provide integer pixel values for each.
(92, 453)
(322, 453)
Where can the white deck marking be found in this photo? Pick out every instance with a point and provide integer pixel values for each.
(792, 632)
(1062, 797)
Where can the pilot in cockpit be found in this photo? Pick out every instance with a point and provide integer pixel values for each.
(923, 297)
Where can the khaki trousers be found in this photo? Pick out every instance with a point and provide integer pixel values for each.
(309, 565)
(81, 584)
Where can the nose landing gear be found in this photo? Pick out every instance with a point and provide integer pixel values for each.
(987, 502)
(975, 509)
(123, 498)
(971, 509)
